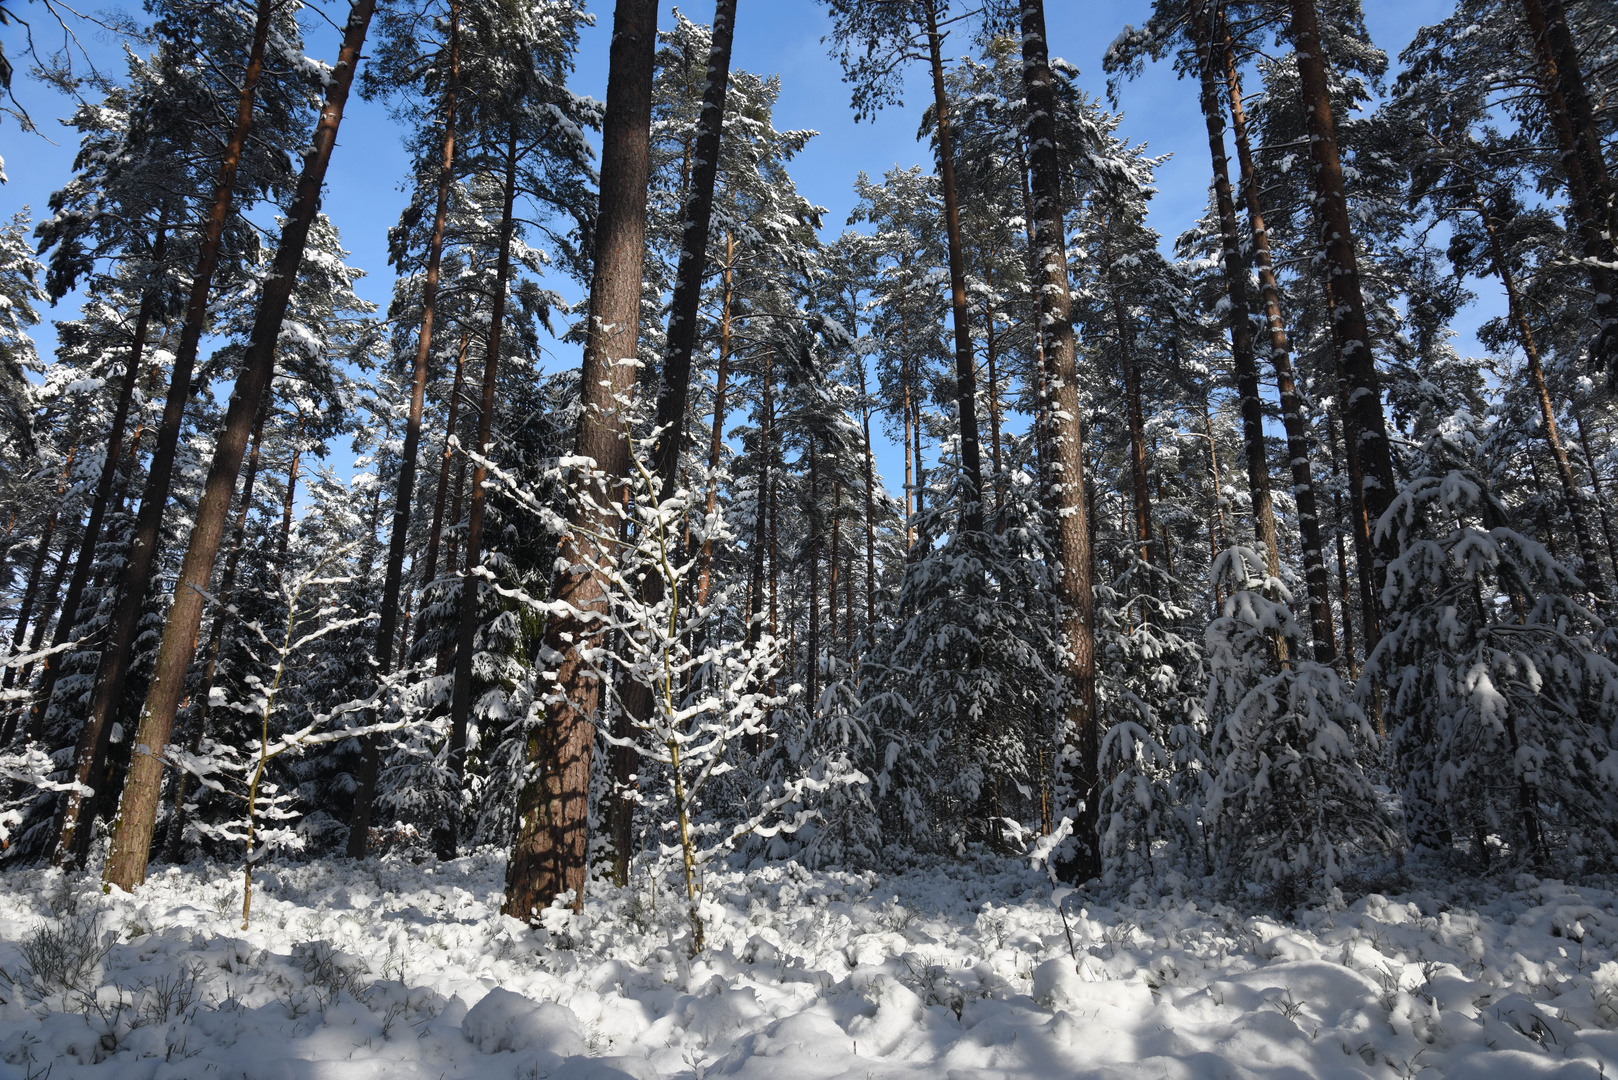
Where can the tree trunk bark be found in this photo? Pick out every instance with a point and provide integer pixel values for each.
(1292, 409)
(113, 669)
(1590, 563)
(812, 668)
(1137, 423)
(85, 566)
(1370, 458)
(548, 855)
(1241, 323)
(435, 537)
(1590, 187)
(1595, 489)
(131, 846)
(1078, 738)
(224, 595)
(289, 497)
(445, 836)
(716, 443)
(965, 370)
(870, 509)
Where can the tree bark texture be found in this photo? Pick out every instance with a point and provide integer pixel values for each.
(132, 838)
(548, 855)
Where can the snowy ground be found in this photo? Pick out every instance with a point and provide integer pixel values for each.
(390, 969)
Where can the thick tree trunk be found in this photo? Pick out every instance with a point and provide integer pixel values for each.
(966, 394)
(445, 836)
(1078, 737)
(131, 846)
(224, 597)
(1590, 188)
(548, 855)
(1370, 457)
(359, 823)
(1292, 409)
(1590, 562)
(73, 841)
(1241, 323)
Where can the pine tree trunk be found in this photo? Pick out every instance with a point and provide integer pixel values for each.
(548, 855)
(1241, 323)
(1590, 563)
(446, 463)
(716, 444)
(1590, 189)
(445, 838)
(85, 566)
(131, 846)
(910, 461)
(289, 496)
(113, 669)
(870, 510)
(359, 824)
(1137, 422)
(224, 597)
(832, 574)
(1078, 737)
(1370, 457)
(761, 505)
(1595, 489)
(812, 668)
(991, 355)
(36, 572)
(965, 370)
(53, 597)
(1292, 409)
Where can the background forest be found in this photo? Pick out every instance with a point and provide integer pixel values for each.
(1213, 559)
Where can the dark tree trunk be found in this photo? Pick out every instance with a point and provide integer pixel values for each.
(225, 595)
(965, 369)
(445, 838)
(1590, 188)
(716, 443)
(548, 854)
(1137, 423)
(359, 823)
(435, 536)
(1590, 562)
(84, 568)
(812, 668)
(131, 846)
(73, 841)
(1595, 490)
(1370, 458)
(1241, 323)
(1078, 737)
(1292, 408)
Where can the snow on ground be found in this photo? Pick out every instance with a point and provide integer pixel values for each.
(392, 969)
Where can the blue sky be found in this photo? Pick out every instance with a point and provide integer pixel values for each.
(772, 36)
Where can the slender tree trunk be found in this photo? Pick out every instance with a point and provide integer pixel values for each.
(1241, 324)
(445, 466)
(870, 509)
(761, 507)
(910, 462)
(53, 596)
(716, 442)
(1595, 488)
(445, 836)
(73, 841)
(289, 497)
(1292, 408)
(965, 370)
(36, 568)
(1590, 189)
(1370, 458)
(84, 568)
(832, 574)
(359, 824)
(812, 668)
(131, 846)
(1078, 736)
(1590, 562)
(548, 855)
(990, 356)
(224, 608)
(1137, 424)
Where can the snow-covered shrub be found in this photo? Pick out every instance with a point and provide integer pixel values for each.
(1290, 804)
(1502, 697)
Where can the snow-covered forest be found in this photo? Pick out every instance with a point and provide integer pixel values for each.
(1228, 685)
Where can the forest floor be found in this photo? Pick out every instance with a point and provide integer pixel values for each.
(960, 971)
